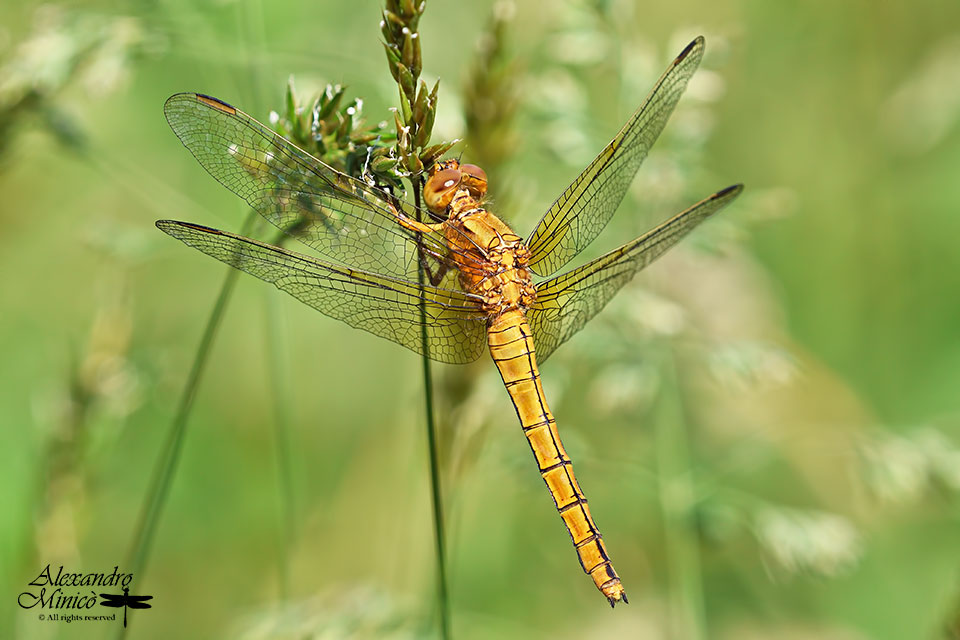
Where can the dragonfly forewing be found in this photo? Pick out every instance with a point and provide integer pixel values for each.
(385, 306)
(341, 217)
(567, 302)
(584, 208)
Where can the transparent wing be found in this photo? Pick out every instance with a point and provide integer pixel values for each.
(565, 303)
(584, 209)
(385, 306)
(344, 219)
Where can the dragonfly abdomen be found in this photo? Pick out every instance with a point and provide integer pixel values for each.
(511, 346)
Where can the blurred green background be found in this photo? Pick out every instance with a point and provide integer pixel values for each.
(766, 423)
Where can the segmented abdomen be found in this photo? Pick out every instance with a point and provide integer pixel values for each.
(512, 348)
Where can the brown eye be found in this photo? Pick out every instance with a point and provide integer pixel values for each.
(440, 188)
(474, 179)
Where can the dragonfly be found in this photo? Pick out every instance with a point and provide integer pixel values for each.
(126, 601)
(450, 279)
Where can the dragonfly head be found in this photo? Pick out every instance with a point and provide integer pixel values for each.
(448, 177)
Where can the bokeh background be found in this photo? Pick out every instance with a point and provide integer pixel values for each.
(766, 422)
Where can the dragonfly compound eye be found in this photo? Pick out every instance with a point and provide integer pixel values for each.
(440, 188)
(474, 179)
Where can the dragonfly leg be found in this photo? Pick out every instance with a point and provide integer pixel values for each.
(422, 227)
(415, 225)
(435, 278)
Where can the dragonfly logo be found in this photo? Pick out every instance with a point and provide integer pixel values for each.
(126, 601)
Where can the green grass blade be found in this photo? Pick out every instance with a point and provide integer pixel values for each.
(678, 500)
(169, 458)
(280, 396)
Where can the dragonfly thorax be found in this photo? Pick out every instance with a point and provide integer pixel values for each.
(491, 258)
(504, 280)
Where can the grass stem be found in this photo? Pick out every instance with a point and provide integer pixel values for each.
(435, 486)
(677, 500)
(280, 400)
